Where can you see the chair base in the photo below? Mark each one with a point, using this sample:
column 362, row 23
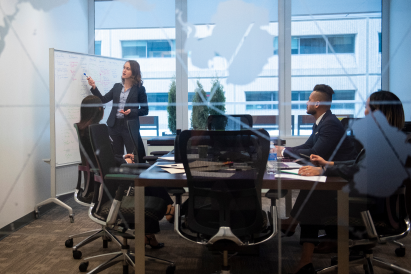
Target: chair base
column 368, row 261
column 124, row 256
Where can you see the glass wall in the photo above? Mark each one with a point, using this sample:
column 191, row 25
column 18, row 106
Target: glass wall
column 339, row 47
column 147, row 37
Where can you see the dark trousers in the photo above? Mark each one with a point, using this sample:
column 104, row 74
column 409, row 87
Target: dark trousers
column 121, row 137
column 320, row 212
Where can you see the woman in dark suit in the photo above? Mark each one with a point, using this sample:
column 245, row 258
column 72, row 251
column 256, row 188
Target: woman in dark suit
column 129, row 102
column 390, row 105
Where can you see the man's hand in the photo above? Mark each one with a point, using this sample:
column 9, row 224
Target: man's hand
column 310, row 171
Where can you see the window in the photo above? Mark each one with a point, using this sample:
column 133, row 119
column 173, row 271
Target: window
column 259, row 96
column 157, row 98
column 160, row 48
column 318, row 45
column 134, row 49
column 97, row 48
column 339, row 95
column 190, row 98
column 379, row 42
column 147, row 49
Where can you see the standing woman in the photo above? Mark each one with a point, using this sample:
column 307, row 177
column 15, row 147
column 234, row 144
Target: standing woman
column 129, row 102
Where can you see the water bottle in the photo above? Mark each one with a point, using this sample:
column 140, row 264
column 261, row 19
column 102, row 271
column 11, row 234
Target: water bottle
column 272, row 161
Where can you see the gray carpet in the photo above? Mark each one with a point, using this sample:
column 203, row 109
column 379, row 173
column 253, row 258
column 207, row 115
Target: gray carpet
column 39, row 248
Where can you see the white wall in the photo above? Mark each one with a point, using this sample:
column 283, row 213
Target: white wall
column 400, row 53
column 24, row 87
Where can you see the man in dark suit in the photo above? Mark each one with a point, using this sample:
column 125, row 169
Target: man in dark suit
column 327, row 130
column 326, row 136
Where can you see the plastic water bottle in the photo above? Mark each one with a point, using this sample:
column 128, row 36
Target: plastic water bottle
column 272, row 161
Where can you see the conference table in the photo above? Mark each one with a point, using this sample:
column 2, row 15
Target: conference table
column 156, row 177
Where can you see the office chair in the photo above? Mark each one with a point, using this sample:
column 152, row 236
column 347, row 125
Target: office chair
column 134, row 129
column 346, row 122
column 223, row 122
column 394, row 225
column 116, row 216
column 84, row 195
column 224, row 209
column 133, row 126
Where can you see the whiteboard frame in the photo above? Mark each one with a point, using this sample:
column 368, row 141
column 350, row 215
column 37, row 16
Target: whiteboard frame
column 53, row 149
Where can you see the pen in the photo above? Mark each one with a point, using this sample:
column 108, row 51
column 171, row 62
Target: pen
column 86, row 75
column 306, row 156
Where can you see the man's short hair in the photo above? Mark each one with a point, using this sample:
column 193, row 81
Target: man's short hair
column 326, row 92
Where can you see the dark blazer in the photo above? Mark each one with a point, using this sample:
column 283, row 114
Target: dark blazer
column 324, row 140
column 136, row 102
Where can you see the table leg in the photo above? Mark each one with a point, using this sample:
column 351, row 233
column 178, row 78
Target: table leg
column 343, row 222
column 139, row 230
column 288, row 202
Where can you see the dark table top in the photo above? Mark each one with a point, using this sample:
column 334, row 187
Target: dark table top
column 155, row 176
column 169, row 141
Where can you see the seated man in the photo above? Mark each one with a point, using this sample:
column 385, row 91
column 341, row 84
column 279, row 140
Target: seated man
column 327, row 130
column 326, row 136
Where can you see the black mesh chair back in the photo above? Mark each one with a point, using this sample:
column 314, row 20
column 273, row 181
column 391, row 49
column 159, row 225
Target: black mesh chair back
column 224, row 173
column 134, row 129
column 346, row 122
column 88, row 163
column 104, row 154
column 229, row 122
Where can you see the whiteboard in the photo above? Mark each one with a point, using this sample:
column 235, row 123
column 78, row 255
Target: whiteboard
column 68, row 87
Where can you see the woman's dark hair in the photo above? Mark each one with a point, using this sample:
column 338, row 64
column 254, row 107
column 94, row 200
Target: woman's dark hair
column 390, row 105
column 91, row 112
column 135, row 72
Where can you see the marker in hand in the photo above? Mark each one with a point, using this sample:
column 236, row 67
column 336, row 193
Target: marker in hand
column 90, row 81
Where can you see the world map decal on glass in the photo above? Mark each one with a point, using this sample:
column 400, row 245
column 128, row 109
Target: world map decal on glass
column 240, row 36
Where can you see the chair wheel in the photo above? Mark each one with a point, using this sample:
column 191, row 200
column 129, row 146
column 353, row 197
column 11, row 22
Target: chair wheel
column 400, row 252
column 83, row 267
column 171, row 269
column 36, row 215
column 105, row 243
column 71, row 219
column 77, row 254
column 69, row 243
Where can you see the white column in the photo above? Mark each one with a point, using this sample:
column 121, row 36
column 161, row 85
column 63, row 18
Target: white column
column 181, row 68
column 284, row 67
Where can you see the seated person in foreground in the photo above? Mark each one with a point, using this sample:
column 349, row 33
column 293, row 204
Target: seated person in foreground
column 91, row 112
column 312, row 214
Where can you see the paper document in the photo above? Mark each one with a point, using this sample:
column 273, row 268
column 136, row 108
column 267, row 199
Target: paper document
column 290, row 171
column 171, row 165
column 292, row 165
column 174, row 170
column 321, row 179
column 167, row 158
